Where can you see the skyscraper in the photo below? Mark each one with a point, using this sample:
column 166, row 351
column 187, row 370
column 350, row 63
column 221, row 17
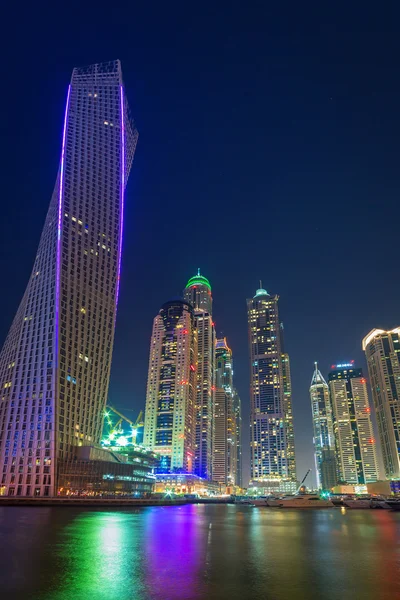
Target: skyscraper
column 225, row 432
column 220, row 442
column 55, row 363
column 287, row 408
column 324, row 441
column 238, row 438
column 169, row 426
column 382, row 349
column 198, row 294
column 270, row 425
column 355, row 443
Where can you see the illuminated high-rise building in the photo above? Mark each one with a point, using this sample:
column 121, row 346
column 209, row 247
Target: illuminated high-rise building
column 169, row 426
column 352, row 425
column 324, row 441
column 382, row 349
column 55, row 363
column 220, row 442
column 238, row 437
column 271, row 445
column 287, row 407
column 198, row 294
column 225, row 429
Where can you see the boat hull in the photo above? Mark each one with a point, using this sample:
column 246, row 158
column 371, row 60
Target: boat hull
column 357, row 504
column 307, row 505
column 262, row 502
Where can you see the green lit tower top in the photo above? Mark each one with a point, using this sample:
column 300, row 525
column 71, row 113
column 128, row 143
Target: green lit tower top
column 198, row 293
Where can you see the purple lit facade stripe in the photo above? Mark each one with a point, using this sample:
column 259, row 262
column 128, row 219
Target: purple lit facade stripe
column 122, row 193
column 59, row 227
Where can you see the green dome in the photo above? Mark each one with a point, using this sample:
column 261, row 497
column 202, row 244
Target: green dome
column 198, row 280
column 261, row 292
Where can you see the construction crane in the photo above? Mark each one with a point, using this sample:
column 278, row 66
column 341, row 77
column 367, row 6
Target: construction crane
column 134, row 424
column 303, row 480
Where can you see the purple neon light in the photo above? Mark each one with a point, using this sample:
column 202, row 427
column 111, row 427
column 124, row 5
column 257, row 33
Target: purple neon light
column 121, row 221
column 60, row 202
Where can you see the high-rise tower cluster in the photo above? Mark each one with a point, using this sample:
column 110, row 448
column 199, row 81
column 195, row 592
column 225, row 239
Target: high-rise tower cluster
column 342, row 406
column 56, row 360
column 344, row 444
column 193, row 412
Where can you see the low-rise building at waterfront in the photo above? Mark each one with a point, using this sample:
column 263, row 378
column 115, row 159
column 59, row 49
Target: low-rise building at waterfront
column 185, row 483
column 272, row 487
column 96, row 471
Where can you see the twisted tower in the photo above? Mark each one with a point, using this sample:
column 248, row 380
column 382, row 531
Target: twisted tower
column 55, row 363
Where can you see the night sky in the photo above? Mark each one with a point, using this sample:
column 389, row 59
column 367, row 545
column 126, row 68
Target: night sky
column 268, row 149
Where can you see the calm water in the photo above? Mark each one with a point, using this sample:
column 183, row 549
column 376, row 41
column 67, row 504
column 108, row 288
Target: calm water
column 190, row 552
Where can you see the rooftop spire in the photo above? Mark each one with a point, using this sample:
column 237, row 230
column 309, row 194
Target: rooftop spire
column 317, row 378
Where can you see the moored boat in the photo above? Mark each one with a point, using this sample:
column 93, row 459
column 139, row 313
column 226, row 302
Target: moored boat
column 305, row 501
column 273, row 501
column 379, row 502
column 261, row 501
column 243, row 500
column 393, row 503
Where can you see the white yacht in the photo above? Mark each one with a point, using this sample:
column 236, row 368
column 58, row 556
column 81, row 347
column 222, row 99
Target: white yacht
column 274, row 501
column 266, row 501
column 304, row 501
column 260, row 501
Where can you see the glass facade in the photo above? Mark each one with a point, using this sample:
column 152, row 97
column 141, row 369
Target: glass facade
column 55, row 363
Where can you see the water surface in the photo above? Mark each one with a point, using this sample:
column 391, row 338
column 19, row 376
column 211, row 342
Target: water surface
column 195, row 552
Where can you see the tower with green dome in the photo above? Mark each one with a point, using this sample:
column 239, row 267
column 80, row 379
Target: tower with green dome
column 198, row 293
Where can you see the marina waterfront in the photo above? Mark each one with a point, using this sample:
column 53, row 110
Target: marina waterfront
column 198, row 551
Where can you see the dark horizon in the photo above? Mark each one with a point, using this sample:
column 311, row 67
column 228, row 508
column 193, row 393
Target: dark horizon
column 268, row 149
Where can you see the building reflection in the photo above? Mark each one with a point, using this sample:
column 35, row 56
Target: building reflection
column 191, row 552
column 175, row 551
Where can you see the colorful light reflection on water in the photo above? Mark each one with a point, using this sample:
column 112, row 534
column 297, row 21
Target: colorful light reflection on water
column 195, row 552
